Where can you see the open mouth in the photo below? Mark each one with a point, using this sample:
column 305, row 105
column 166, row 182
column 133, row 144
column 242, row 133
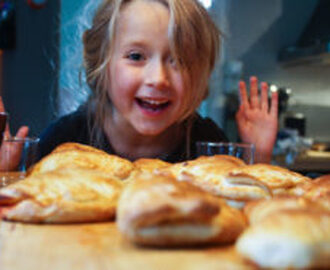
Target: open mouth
column 153, row 105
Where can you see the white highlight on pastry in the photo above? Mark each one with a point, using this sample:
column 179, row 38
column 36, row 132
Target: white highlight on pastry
column 276, row 251
column 186, row 231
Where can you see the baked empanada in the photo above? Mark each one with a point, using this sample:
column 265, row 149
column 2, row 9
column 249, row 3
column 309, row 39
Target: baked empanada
column 69, row 146
column 256, row 211
column 289, row 239
column 64, row 196
column 278, row 179
column 158, row 210
column 287, row 233
column 213, row 174
column 150, row 164
column 71, row 155
column 317, row 190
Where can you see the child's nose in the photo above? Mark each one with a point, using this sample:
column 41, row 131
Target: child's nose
column 157, row 75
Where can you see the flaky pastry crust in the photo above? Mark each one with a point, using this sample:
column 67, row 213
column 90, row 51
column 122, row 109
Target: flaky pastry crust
column 289, row 239
column 69, row 155
column 155, row 209
column 62, row 196
column 278, row 179
column 213, row 174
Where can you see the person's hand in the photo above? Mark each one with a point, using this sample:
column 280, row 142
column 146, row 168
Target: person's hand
column 9, row 154
column 257, row 120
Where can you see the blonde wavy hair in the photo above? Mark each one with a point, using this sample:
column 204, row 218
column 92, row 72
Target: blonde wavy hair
column 194, row 44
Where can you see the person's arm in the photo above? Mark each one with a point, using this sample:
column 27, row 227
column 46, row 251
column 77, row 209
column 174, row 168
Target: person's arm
column 12, row 158
column 257, row 120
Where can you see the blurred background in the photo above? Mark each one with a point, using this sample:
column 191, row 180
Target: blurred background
column 284, row 42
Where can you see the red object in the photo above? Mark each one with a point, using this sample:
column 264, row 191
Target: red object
column 37, row 4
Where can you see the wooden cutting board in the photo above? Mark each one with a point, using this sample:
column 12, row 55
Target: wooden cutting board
column 100, row 246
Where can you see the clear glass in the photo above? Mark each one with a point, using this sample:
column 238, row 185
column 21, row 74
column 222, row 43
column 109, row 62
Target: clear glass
column 17, row 155
column 244, row 151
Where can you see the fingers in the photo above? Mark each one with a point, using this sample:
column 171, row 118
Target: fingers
column 264, row 97
column 243, row 94
column 274, row 105
column 254, row 95
column 257, row 101
column 7, row 131
column 2, row 106
column 22, row 132
column 240, row 113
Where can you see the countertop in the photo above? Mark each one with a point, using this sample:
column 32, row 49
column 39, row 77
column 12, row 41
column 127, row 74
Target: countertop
column 100, row 246
column 308, row 162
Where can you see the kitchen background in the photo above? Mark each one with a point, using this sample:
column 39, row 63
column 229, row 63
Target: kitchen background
column 40, row 72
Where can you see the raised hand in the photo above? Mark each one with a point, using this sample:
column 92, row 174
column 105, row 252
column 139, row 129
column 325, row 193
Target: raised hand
column 9, row 153
column 257, row 120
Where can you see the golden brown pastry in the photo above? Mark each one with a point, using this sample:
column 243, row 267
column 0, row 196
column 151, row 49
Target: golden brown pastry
column 289, row 239
column 158, row 210
column 278, row 179
column 71, row 155
column 224, row 159
column 213, row 174
column 287, row 232
column 256, row 211
column 69, row 146
column 63, row 196
column 317, row 190
column 150, row 164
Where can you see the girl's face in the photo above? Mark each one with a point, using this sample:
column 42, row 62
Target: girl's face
column 146, row 87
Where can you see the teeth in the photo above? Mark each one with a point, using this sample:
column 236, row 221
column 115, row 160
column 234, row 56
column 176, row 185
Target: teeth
column 154, row 102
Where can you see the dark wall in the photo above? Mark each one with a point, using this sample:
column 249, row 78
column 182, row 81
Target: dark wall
column 285, row 30
column 30, row 71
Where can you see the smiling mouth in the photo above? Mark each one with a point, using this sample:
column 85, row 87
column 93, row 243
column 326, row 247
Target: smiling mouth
column 152, row 105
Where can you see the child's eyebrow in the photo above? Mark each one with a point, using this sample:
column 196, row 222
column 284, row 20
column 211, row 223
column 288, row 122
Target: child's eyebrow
column 134, row 44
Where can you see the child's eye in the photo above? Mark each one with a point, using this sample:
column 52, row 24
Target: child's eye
column 135, row 56
column 173, row 62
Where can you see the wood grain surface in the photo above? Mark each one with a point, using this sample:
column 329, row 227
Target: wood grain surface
column 100, row 246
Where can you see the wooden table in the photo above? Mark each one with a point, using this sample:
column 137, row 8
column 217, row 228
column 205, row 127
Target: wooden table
column 100, row 246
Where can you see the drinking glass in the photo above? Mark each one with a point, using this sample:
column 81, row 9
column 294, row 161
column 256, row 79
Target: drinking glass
column 244, row 151
column 17, row 155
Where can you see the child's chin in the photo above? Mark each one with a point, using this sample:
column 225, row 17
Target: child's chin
column 150, row 130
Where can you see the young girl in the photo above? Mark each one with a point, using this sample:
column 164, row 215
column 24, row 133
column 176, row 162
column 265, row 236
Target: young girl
column 147, row 63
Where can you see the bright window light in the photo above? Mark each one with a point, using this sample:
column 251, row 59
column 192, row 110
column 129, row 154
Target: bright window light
column 206, row 3
column 273, row 88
